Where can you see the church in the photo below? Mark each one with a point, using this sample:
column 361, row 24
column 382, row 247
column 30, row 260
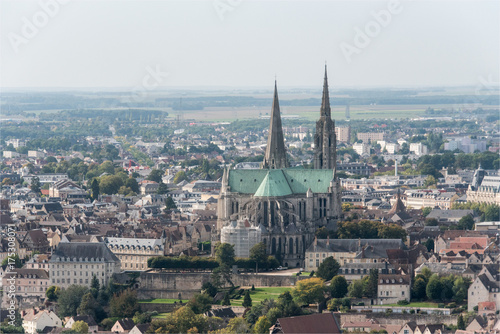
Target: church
column 288, row 204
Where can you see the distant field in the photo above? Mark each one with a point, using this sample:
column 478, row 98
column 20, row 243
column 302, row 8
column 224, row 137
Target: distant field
column 417, row 304
column 259, row 294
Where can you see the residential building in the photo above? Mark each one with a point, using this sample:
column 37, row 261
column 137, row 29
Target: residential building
column 123, row 326
column 148, row 187
column 393, row 288
column 31, row 284
column 485, row 288
column 134, row 252
column 78, row 262
column 418, row 149
column 484, row 188
column 343, row 134
column 350, row 251
column 371, row 137
column 361, row 148
column 88, row 319
column 34, row 320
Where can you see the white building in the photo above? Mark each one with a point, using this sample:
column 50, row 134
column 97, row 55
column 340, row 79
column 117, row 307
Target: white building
column 361, row 148
column 418, row 148
column 242, row 236
column 36, row 154
column 78, row 262
column 34, row 321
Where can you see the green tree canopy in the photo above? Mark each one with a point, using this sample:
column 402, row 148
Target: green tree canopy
column 69, row 300
column 308, row 291
column 338, row 287
column 328, row 268
column 124, row 304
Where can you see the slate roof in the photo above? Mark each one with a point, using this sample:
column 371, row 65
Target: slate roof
column 299, row 180
column 134, row 242
column 313, row 323
column 88, row 319
column 127, row 324
column 89, row 250
column 449, row 214
column 226, row 312
column 372, row 248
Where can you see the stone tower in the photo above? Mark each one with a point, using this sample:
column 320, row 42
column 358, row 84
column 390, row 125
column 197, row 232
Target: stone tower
column 325, row 142
column 275, row 157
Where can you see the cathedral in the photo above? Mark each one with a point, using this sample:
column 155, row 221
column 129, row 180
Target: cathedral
column 288, row 204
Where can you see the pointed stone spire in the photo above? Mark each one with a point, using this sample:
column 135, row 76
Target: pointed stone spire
column 325, row 101
column 275, row 157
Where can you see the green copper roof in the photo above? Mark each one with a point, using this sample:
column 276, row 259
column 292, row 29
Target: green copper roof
column 274, row 185
column 297, row 180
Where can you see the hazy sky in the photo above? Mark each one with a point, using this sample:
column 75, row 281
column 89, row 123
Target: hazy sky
column 246, row 43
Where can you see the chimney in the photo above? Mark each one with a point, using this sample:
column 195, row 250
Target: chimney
column 315, row 241
column 328, row 240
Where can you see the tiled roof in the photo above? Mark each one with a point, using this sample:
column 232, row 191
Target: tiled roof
column 314, row 323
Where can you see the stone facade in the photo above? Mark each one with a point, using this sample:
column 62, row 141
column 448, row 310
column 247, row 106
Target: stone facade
column 134, row 252
column 78, row 262
column 287, row 204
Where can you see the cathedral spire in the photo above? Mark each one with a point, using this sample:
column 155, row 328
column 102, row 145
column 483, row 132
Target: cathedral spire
column 325, row 101
column 275, row 157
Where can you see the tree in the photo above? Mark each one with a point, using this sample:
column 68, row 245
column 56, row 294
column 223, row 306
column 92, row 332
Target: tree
column 418, row 288
column 434, row 288
column 328, row 268
column 237, row 326
column 258, row 254
column 35, row 185
column 308, row 291
column 355, row 289
column 180, row 176
column 88, row 306
column 392, row 231
column 262, row 325
column 430, row 245
column 170, row 204
column 209, row 289
column 13, row 260
column 226, row 301
column 110, row 184
column 466, row 223
column 69, row 300
column 460, row 289
column 200, row 303
column 426, row 211
column 224, row 254
column 94, row 284
column 460, row 322
column 95, row 189
column 155, row 175
column 80, row 327
column 124, row 304
column 162, row 189
column 338, row 287
column 52, row 293
column 430, row 181
column 132, row 184
column 247, row 300
column 372, row 284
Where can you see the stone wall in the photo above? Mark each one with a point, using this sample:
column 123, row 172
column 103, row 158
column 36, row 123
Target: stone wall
column 400, row 319
column 160, row 308
column 168, row 285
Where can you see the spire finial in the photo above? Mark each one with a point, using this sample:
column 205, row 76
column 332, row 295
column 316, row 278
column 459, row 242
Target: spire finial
column 325, row 101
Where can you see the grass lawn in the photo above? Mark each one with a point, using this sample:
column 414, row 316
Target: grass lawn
column 416, row 304
column 305, row 273
column 160, row 301
column 160, row 316
column 259, row 294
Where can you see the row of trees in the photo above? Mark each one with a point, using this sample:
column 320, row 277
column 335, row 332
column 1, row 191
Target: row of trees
column 433, row 287
column 363, row 229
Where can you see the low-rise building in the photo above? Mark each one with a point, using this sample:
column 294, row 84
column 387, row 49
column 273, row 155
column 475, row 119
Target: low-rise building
column 34, row 321
column 393, row 288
